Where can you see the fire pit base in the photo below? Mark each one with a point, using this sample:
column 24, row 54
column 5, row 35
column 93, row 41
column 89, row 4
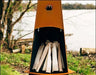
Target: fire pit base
column 33, row 73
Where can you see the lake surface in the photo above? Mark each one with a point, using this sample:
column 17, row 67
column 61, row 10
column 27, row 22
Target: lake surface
column 80, row 23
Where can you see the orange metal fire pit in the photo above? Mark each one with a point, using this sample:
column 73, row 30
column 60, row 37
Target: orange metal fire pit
column 49, row 26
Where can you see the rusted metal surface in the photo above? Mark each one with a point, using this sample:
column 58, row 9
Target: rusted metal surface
column 69, row 72
column 52, row 18
column 49, row 26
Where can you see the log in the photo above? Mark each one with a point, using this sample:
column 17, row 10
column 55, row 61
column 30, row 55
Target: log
column 23, row 48
column 59, row 59
column 16, row 50
column 24, row 40
column 48, row 69
column 54, row 58
column 40, row 50
column 86, row 51
column 47, row 42
column 62, row 61
column 45, row 64
column 28, row 47
column 42, row 57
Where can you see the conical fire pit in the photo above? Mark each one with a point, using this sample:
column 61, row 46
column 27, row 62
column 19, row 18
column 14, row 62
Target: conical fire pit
column 49, row 51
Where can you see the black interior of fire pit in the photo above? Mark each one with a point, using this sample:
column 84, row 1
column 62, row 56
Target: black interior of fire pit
column 52, row 34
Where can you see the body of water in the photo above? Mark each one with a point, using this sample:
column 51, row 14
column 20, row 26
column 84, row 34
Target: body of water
column 80, row 23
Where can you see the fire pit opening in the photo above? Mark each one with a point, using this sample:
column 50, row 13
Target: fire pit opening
column 53, row 35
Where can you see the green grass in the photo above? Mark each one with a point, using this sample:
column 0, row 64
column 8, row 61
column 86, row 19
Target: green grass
column 16, row 59
column 79, row 64
column 7, row 70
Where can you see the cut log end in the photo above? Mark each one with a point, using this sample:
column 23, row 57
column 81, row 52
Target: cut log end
column 16, row 50
column 87, row 51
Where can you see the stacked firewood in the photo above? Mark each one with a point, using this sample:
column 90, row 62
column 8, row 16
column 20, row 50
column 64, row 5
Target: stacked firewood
column 49, row 57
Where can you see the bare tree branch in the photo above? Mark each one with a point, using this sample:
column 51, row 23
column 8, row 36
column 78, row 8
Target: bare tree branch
column 6, row 12
column 24, row 35
column 28, row 7
column 1, row 9
column 28, row 4
column 32, row 5
column 15, row 4
column 1, row 12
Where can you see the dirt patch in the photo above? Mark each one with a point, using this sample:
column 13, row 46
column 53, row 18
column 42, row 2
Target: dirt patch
column 21, row 68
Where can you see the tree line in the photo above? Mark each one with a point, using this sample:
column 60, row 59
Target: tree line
column 64, row 6
column 78, row 6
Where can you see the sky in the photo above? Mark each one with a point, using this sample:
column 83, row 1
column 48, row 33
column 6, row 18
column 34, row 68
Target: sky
column 77, row 1
column 70, row 1
column 82, row 2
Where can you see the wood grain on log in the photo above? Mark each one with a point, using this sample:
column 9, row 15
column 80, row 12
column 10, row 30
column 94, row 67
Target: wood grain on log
column 54, row 58
column 59, row 59
column 42, row 57
column 40, row 50
column 48, row 69
column 45, row 63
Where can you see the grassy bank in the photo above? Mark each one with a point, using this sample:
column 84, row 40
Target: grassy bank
column 82, row 65
column 8, row 70
column 15, row 59
column 15, row 63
